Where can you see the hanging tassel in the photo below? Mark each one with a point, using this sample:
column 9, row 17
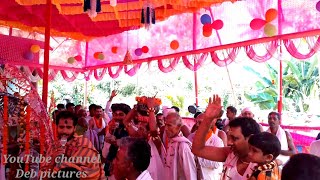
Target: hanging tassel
column 113, row 3
column 92, row 7
column 127, row 58
column 153, row 16
column 148, row 16
column 142, row 16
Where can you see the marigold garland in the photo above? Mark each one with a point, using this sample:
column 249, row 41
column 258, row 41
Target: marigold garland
column 143, row 100
column 5, row 128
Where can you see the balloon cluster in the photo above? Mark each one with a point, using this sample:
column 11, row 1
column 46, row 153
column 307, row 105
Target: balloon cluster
column 208, row 26
column 29, row 55
column 139, row 51
column 71, row 60
column 98, row 55
column 269, row 29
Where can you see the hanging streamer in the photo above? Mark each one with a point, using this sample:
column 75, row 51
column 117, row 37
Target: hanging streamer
column 148, row 16
column 92, row 7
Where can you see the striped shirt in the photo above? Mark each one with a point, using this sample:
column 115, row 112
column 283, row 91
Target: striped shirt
column 81, row 155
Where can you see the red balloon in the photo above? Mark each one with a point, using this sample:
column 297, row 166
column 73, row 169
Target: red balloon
column 145, row 49
column 96, row 55
column 206, row 33
column 207, row 28
column 174, row 44
column 78, row 58
column 217, row 24
column 114, row 49
column 257, row 24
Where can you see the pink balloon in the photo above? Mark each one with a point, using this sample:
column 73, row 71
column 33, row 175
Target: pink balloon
column 217, row 24
column 257, row 24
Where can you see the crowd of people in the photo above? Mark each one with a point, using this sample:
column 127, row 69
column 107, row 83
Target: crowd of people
column 144, row 143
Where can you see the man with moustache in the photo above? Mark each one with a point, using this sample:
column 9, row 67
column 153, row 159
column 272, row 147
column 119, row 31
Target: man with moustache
column 287, row 145
column 237, row 165
column 70, row 145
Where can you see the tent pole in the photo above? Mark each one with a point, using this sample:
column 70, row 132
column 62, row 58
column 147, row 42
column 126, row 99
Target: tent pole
column 194, row 47
column 280, row 16
column 86, row 82
column 46, row 56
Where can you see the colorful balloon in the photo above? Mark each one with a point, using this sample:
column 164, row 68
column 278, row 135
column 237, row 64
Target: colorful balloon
column 270, row 30
column 71, row 60
column 207, row 28
column 271, row 15
column 35, row 48
column 257, row 24
column 78, row 58
column 174, row 44
column 101, row 56
column 318, row 6
column 217, row 24
column 206, row 33
column 96, row 55
column 28, row 55
column 138, row 52
column 145, row 49
column 114, row 50
column 205, row 19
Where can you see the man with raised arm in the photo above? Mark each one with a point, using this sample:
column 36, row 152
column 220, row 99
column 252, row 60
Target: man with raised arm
column 237, row 165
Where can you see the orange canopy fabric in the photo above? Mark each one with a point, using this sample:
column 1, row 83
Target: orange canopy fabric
column 70, row 20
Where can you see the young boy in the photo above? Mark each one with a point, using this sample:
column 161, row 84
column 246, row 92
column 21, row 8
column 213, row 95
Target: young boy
column 264, row 148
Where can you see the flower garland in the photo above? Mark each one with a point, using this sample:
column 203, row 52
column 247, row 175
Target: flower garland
column 27, row 145
column 42, row 138
column 5, row 128
column 143, row 100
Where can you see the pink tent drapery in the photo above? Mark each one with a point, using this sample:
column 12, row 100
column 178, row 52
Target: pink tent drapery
column 219, row 56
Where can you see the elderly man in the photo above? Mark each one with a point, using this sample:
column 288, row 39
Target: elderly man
column 247, row 112
column 237, row 164
column 72, row 152
column 133, row 159
column 179, row 160
column 287, row 146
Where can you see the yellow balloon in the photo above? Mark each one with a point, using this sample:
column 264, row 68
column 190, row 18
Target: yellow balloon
column 71, row 60
column 270, row 30
column 35, row 48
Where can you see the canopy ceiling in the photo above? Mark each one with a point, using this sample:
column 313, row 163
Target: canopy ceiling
column 69, row 19
column 255, row 28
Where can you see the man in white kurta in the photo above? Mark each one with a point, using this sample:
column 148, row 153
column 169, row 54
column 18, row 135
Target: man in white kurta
column 211, row 169
column 179, row 160
column 287, row 146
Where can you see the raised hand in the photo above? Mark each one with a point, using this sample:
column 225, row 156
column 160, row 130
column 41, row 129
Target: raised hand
column 214, row 107
column 113, row 93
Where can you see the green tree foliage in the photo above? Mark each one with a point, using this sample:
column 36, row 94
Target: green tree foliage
column 300, row 84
